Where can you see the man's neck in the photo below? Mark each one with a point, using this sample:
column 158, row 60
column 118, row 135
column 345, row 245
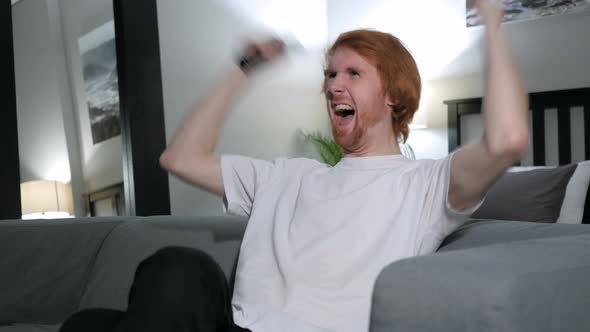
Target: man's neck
column 377, row 145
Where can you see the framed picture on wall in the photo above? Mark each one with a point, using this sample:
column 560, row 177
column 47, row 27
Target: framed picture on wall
column 99, row 68
column 94, row 71
column 517, row 10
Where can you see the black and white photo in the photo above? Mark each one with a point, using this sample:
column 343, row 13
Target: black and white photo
column 99, row 66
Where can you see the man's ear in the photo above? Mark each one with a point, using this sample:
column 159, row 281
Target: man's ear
column 391, row 104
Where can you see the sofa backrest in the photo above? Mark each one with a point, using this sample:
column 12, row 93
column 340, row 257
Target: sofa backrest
column 130, row 243
column 482, row 232
column 45, row 265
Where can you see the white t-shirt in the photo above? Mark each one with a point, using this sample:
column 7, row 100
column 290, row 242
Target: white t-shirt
column 318, row 236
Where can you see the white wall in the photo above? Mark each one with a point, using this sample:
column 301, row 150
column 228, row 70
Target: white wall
column 102, row 164
column 42, row 142
column 429, row 143
column 552, row 52
column 198, row 42
column 51, row 101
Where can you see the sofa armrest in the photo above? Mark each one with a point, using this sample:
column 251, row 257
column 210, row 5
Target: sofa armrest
column 45, row 265
column 484, row 232
column 533, row 285
column 132, row 242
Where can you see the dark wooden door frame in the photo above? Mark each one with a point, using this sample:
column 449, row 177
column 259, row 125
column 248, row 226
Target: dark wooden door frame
column 142, row 111
column 142, row 107
column 9, row 168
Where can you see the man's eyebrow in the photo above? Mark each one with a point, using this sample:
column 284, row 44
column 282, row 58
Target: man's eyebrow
column 348, row 69
column 353, row 68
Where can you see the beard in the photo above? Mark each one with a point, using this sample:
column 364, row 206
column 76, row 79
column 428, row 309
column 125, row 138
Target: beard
column 353, row 140
column 350, row 140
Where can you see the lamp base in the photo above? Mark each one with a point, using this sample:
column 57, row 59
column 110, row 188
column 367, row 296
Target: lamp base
column 46, row 215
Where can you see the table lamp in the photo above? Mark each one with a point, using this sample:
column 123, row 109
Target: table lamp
column 45, row 199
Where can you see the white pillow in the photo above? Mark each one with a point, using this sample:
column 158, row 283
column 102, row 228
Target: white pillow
column 572, row 208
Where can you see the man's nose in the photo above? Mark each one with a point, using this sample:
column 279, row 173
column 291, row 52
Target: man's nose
column 336, row 86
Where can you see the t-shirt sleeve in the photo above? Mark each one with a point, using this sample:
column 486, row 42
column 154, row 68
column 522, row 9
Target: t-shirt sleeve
column 445, row 218
column 242, row 178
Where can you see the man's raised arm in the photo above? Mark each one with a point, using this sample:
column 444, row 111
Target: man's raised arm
column 476, row 167
column 191, row 152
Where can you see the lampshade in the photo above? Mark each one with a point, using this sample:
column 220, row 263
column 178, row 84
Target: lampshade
column 46, row 199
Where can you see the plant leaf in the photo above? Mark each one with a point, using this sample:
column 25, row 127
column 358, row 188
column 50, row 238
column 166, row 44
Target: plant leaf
column 330, row 152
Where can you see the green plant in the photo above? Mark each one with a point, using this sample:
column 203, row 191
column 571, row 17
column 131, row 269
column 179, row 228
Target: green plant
column 330, row 152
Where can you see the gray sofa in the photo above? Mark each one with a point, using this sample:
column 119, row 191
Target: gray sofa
column 487, row 276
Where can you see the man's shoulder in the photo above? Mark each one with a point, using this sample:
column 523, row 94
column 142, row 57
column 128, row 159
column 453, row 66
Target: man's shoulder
column 301, row 163
column 422, row 168
column 429, row 163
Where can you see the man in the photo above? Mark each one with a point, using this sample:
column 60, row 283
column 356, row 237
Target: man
column 318, row 236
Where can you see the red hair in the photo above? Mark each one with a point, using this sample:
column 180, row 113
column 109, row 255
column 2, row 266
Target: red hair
column 396, row 66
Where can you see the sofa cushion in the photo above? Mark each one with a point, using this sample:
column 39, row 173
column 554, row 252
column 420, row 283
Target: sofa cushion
column 29, row 328
column 45, row 265
column 533, row 285
column 575, row 208
column 535, row 195
column 132, row 242
column 479, row 233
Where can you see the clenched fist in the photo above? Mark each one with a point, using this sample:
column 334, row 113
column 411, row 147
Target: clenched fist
column 491, row 12
column 258, row 53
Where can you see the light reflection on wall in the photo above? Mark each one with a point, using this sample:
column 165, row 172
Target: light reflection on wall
column 434, row 31
column 429, row 143
column 58, row 170
column 306, row 20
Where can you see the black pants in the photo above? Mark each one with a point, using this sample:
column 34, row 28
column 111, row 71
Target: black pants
column 175, row 290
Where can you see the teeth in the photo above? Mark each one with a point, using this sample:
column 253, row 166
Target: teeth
column 342, row 107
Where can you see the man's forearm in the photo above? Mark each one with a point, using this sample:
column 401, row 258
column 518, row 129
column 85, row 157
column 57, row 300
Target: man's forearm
column 506, row 99
column 475, row 167
column 200, row 130
column 190, row 155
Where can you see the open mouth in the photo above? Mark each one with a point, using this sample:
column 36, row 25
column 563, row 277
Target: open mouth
column 344, row 111
column 343, row 115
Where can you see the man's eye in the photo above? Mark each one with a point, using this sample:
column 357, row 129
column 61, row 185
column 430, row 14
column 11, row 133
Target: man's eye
column 354, row 73
column 331, row 75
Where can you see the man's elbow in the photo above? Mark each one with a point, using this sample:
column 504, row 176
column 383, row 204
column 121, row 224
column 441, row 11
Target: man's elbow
column 183, row 164
column 511, row 146
column 168, row 162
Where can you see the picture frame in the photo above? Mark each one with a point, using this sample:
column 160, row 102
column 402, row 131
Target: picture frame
column 98, row 56
column 519, row 10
